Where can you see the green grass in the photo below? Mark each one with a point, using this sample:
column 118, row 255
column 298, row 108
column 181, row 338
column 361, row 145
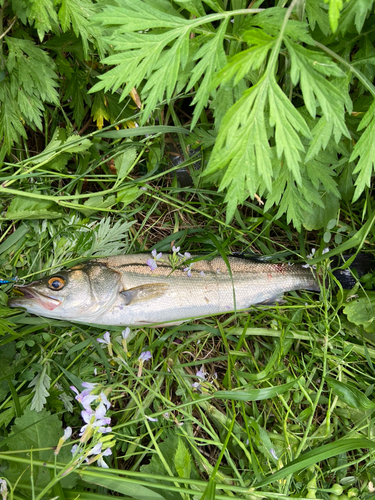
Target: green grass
column 266, row 423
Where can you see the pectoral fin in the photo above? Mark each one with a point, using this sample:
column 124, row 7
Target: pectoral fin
column 144, row 293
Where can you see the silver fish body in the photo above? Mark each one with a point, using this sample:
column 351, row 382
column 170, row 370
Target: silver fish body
column 123, row 290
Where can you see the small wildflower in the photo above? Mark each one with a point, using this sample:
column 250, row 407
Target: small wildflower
column 104, row 400
column 151, row 419
column 74, row 449
column 187, row 270
column 152, row 262
column 145, row 356
column 166, row 415
column 125, row 334
column 101, row 462
column 67, row 434
column 89, row 385
column 96, row 449
column 106, row 340
column 175, row 250
column 273, row 453
column 3, row 489
column 202, row 273
column 202, row 374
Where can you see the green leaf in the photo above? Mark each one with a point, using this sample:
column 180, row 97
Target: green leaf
column 317, row 455
column 365, row 150
column 243, row 62
column 11, row 240
column 310, row 68
column 319, row 216
column 77, row 14
column 125, row 162
column 31, row 432
column 121, row 485
column 128, row 195
column 335, row 7
column 355, row 241
column 22, row 208
column 361, row 311
column 255, row 394
column 43, row 13
column 317, row 15
column 212, row 59
column 182, row 460
column 350, row 395
column 41, row 384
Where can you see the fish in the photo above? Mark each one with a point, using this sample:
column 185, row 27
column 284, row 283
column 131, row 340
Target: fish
column 134, row 290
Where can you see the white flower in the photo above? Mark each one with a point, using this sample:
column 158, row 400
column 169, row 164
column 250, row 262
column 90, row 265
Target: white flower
column 125, row 333
column 105, row 340
column 3, row 489
column 151, row 419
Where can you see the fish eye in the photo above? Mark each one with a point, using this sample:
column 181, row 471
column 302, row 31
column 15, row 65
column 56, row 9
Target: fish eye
column 56, row 283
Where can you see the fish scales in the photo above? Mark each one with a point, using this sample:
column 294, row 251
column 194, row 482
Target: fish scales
column 123, row 290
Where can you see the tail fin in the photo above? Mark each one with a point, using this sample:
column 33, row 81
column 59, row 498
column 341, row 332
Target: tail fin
column 361, row 265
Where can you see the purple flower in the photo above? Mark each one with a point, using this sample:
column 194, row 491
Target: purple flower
column 202, row 273
column 125, row 333
column 175, row 250
column 202, row 374
column 152, row 262
column 89, row 385
column 151, row 419
column 101, row 462
column 104, row 400
column 74, row 449
column 145, row 356
column 96, row 449
column 188, row 270
column 105, row 340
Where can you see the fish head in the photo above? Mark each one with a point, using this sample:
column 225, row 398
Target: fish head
column 77, row 294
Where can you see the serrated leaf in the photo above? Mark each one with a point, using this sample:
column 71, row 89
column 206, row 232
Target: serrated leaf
column 41, row 384
column 77, row 14
column 287, row 123
column 43, row 13
column 316, row 15
column 365, row 150
column 182, row 460
column 350, row 395
column 38, row 433
column 95, row 204
column 335, row 7
column 240, row 64
column 128, row 195
column 354, row 13
column 22, row 208
column 272, row 20
column 310, row 68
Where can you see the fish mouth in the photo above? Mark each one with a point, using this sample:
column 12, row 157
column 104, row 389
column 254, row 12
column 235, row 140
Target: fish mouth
column 28, row 296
